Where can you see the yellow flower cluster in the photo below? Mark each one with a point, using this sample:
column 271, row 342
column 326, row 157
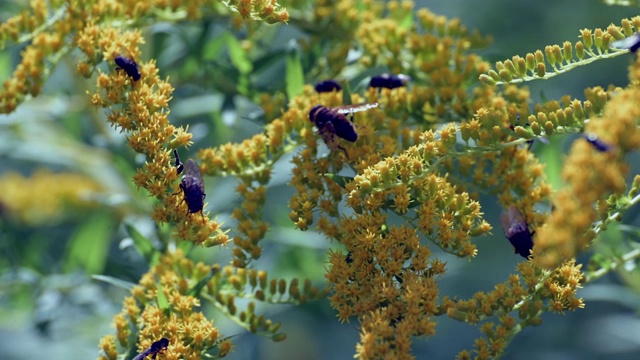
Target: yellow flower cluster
column 137, row 107
column 532, row 293
column 594, row 44
column 47, row 24
column 164, row 304
column 592, row 176
column 140, row 108
column 45, row 197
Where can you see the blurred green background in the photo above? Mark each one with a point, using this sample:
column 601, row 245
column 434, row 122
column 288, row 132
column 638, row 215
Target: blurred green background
column 51, row 308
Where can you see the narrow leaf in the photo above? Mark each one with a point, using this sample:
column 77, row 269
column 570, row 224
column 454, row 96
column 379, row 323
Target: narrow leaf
column 294, row 76
column 346, row 93
column 238, row 55
column 89, row 244
column 340, row 180
column 126, row 285
column 195, row 291
column 163, row 303
column 142, row 244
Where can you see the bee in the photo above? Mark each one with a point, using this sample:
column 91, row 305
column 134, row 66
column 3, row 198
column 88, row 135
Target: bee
column 332, row 122
column 517, row 231
column 192, row 185
column 327, row 86
column 389, row 81
column 154, row 349
column 129, row 66
column 597, row 144
column 632, row 43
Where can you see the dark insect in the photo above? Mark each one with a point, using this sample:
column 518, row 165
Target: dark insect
column 179, row 165
column 332, row 122
column 388, row 81
column 517, row 231
column 327, row 86
column 597, row 143
column 632, row 43
column 129, row 66
column 154, row 349
column 192, row 185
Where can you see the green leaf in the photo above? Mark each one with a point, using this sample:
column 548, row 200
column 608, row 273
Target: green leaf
column 340, row 180
column 213, row 49
column 346, row 93
column 195, row 291
column 142, row 244
column 294, row 76
column 266, row 61
column 553, row 162
column 126, row 285
column 239, row 57
column 407, row 21
column 163, row 303
column 89, row 244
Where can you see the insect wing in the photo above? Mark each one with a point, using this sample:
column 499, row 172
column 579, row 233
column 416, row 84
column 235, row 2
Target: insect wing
column 192, row 170
column 143, row 354
column 349, row 109
column 516, row 230
column 632, row 43
column 193, row 187
column 153, row 349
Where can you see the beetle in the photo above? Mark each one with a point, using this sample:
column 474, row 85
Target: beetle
column 191, row 184
column 129, row 66
column 517, row 231
column 327, row 86
column 388, row 81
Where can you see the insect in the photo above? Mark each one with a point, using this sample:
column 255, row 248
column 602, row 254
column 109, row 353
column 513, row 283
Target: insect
column 632, row 43
column 192, row 185
column 129, row 66
column 332, row 122
column 598, row 144
column 154, row 349
column 388, row 81
column 517, row 231
column 327, row 86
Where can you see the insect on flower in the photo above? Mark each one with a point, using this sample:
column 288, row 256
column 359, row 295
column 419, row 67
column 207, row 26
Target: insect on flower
column 597, row 144
column 192, row 185
column 632, row 43
column 389, row 81
column 332, row 122
column 129, row 66
column 327, row 86
column 154, row 349
column 517, row 231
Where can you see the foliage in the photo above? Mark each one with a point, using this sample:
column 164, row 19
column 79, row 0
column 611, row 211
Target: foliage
column 401, row 203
